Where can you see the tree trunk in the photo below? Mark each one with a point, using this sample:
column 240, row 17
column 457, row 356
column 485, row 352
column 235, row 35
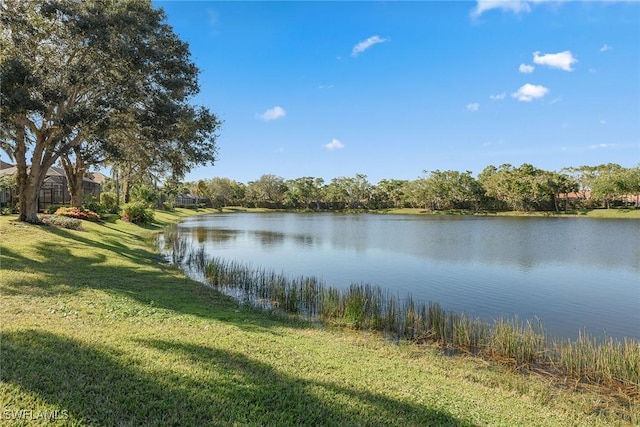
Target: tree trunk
column 29, row 185
column 76, row 196
column 127, row 191
column 29, row 204
column 75, row 176
column 22, row 181
column 27, row 189
column 117, row 180
column 25, row 206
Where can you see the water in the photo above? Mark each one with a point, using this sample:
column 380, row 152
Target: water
column 572, row 273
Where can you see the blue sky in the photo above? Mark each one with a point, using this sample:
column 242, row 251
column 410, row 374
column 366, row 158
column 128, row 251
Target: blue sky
column 389, row 89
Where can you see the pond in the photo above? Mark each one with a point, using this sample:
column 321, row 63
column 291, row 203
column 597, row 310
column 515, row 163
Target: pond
column 572, row 273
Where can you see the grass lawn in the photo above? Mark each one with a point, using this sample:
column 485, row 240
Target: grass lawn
column 96, row 330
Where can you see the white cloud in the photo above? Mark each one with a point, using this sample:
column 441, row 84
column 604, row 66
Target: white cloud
column 515, row 6
column 605, row 48
column 599, row 146
column 498, row 96
column 325, row 87
column 333, row 145
column 603, row 122
column 364, row 45
column 473, row 107
column 526, row 69
column 562, row 60
column 274, row 113
column 529, row 92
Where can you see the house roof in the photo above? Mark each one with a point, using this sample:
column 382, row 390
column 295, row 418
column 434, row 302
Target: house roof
column 5, row 165
column 187, row 196
column 8, row 171
column 53, row 171
column 98, row 177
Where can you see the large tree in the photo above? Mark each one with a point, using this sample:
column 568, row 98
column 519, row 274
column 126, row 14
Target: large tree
column 631, row 179
column 305, row 192
column 391, row 193
column 351, row 192
column 605, row 183
column 165, row 146
column 449, row 189
column 608, row 183
column 266, row 192
column 75, row 73
column 524, row 188
column 222, row 192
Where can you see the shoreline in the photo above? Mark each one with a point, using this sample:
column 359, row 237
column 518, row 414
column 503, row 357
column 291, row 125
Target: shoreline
column 617, row 213
column 99, row 302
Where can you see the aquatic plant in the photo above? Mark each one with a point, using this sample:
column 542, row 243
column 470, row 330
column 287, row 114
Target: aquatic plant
column 521, row 343
column 607, row 361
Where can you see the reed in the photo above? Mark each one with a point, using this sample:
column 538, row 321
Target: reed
column 522, row 342
column 608, row 361
column 391, row 316
column 363, row 306
column 172, row 244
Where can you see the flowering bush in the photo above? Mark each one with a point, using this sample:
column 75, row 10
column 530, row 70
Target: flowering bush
column 61, row 221
column 136, row 213
column 53, row 208
column 78, row 213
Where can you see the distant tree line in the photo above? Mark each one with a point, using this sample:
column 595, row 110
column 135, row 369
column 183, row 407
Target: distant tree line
column 523, row 188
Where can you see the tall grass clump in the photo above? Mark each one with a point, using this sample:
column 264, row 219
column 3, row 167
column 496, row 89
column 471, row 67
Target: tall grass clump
column 608, row 361
column 522, row 342
column 171, row 244
column 469, row 333
column 363, row 306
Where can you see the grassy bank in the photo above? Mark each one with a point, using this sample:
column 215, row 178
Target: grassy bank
column 96, row 330
column 608, row 362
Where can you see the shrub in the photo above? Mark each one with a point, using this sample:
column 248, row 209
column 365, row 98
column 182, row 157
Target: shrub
column 144, row 194
column 90, row 203
column 53, row 208
column 137, row 213
column 168, row 206
column 9, row 209
column 62, row 221
column 78, row 213
column 109, row 202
